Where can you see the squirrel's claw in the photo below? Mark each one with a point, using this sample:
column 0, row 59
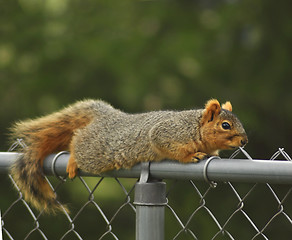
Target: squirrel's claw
column 194, row 158
column 198, row 156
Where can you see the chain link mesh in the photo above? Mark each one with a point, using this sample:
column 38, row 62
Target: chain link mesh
column 195, row 210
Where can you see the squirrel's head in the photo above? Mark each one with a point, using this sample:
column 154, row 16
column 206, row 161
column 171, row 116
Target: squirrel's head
column 220, row 127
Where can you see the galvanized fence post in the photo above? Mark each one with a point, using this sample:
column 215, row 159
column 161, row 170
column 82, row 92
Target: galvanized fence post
column 150, row 201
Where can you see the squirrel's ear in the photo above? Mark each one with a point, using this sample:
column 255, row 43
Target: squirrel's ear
column 212, row 110
column 227, row 106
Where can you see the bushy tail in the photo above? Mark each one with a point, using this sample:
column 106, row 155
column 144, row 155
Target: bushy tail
column 42, row 137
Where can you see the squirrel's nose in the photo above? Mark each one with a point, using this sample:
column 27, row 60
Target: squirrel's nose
column 244, row 141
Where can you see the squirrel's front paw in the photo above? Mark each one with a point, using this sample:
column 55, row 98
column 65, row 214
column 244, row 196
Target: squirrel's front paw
column 198, row 156
column 195, row 157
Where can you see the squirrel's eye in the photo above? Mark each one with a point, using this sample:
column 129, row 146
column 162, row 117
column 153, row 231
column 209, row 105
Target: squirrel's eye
column 226, row 125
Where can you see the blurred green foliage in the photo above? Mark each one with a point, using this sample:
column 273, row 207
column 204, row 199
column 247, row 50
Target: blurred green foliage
column 148, row 55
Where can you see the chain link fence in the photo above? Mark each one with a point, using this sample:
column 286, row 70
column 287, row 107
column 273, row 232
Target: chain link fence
column 236, row 198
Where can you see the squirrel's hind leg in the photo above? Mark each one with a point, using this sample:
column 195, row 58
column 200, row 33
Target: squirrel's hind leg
column 72, row 167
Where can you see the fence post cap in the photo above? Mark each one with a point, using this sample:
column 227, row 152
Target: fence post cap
column 150, row 194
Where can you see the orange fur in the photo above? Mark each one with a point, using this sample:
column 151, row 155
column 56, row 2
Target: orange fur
column 72, row 167
column 227, row 106
column 212, row 110
column 215, row 137
column 44, row 136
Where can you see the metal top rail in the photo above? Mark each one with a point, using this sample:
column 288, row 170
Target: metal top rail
column 212, row 169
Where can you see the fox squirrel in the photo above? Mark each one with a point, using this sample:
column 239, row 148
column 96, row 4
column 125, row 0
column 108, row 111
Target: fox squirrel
column 101, row 138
